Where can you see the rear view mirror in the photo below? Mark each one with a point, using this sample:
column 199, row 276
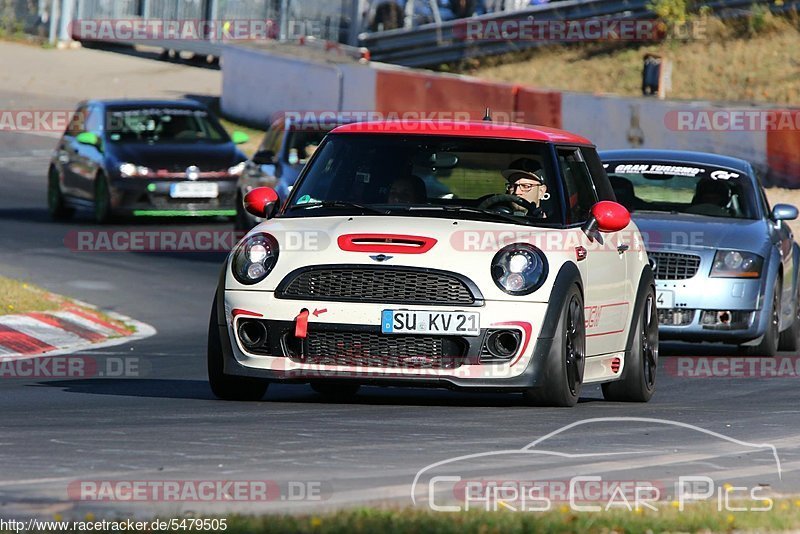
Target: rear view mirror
column 610, row 216
column 88, row 138
column 261, row 202
column 437, row 160
column 239, row 138
column 784, row 212
column 606, row 216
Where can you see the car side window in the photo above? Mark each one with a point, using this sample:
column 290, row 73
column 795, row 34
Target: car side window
column 268, row 141
column 94, row 121
column 602, row 185
column 578, row 186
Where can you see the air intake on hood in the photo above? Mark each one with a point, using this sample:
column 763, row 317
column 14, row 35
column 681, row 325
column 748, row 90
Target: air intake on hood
column 386, row 243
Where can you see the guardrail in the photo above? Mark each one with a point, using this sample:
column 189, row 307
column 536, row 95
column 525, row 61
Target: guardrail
column 435, row 44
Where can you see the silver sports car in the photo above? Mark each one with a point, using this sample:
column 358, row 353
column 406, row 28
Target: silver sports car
column 725, row 262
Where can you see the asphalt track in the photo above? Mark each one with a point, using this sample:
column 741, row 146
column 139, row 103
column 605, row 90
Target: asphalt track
column 165, row 424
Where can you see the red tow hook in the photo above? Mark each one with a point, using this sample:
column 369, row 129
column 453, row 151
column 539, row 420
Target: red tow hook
column 301, row 324
column 301, row 331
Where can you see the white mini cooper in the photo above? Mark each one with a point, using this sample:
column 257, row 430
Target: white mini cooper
column 526, row 277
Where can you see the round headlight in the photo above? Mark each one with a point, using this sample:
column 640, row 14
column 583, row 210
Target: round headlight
column 254, row 258
column 519, row 269
column 732, row 260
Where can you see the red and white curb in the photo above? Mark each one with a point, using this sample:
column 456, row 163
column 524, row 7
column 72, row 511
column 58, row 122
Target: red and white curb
column 65, row 331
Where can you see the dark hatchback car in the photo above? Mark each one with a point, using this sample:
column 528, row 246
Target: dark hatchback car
column 286, row 148
column 145, row 158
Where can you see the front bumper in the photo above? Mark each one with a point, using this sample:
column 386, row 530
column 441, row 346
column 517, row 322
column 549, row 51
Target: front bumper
column 523, row 370
column 146, row 197
column 692, row 297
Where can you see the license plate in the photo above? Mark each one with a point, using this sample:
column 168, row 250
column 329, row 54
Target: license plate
column 665, row 299
column 194, row 190
column 430, row 322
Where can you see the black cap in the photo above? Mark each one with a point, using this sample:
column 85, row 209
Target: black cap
column 524, row 168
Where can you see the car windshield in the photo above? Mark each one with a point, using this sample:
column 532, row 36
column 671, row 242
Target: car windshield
column 160, row 124
column 682, row 188
column 424, row 175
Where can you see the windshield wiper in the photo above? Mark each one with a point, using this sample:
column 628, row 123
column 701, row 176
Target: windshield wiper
column 516, row 219
column 339, row 204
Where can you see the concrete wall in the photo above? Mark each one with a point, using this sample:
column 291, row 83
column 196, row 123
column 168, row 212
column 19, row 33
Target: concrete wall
column 257, row 85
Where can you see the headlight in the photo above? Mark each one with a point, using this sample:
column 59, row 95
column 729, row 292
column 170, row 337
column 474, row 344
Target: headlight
column 237, row 169
column 129, row 170
column 519, row 269
column 736, row 264
column 254, row 258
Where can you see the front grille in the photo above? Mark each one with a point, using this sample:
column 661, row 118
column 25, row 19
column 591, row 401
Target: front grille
column 673, row 266
column 366, row 349
column 376, row 284
column 675, row 316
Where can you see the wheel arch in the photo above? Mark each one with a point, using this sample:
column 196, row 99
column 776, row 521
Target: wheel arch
column 568, row 274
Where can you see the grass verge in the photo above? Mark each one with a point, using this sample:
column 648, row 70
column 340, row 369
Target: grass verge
column 785, row 516
column 706, row 517
column 746, row 60
column 21, row 297
column 18, row 297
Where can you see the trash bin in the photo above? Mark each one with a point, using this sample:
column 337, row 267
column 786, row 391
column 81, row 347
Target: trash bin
column 651, row 74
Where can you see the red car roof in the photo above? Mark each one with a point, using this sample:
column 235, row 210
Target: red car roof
column 465, row 129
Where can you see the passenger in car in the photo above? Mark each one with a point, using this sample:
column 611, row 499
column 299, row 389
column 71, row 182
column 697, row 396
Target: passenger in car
column 408, row 189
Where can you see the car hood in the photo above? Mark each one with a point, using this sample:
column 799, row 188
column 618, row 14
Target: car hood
column 462, row 246
column 682, row 231
column 179, row 156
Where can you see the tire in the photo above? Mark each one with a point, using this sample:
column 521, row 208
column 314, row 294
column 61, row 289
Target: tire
column 102, row 200
column 563, row 371
column 56, row 205
column 769, row 342
column 334, row 391
column 789, row 338
column 227, row 387
column 638, row 382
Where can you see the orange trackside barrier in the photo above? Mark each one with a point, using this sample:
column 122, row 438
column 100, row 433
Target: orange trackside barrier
column 441, row 97
column 783, row 150
column 536, row 106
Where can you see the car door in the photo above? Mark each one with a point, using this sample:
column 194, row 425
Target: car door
column 607, row 298
column 87, row 159
column 782, row 239
column 67, row 151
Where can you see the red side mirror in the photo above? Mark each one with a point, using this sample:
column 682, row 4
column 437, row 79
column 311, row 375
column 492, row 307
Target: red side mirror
column 261, row 202
column 610, row 216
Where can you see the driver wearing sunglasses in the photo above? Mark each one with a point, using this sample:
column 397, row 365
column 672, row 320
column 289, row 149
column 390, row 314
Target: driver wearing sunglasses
column 525, row 178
